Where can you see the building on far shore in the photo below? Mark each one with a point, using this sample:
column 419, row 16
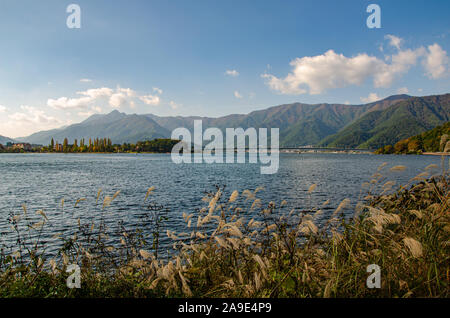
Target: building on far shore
column 22, row 146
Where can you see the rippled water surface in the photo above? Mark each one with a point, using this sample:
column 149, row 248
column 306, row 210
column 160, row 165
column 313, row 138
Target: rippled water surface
column 41, row 181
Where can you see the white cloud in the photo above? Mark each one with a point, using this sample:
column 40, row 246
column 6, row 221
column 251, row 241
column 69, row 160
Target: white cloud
column 28, row 120
column 394, row 41
column 403, row 90
column 97, row 92
column 32, row 115
column 69, row 103
column 85, row 80
column 373, row 97
column 317, row 74
column 174, row 105
column 232, row 73
column 237, row 94
column 117, row 100
column 90, row 96
column 385, row 74
column 157, row 90
column 121, row 97
column 2, row 109
column 127, row 91
column 436, row 62
column 152, row 100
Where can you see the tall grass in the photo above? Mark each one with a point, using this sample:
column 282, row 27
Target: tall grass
column 234, row 247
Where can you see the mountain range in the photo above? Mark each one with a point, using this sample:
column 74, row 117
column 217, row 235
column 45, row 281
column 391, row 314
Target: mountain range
column 365, row 126
column 4, row 140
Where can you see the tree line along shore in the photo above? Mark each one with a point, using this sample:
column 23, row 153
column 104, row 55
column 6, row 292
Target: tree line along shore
column 93, row 145
column 435, row 141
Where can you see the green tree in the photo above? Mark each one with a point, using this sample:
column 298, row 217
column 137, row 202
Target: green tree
column 401, row 146
column 75, row 146
column 414, row 146
column 66, row 145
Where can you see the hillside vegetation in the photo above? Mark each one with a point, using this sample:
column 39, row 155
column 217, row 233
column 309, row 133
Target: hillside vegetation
column 386, row 127
column 434, row 140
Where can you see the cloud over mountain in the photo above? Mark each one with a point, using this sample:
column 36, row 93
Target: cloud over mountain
column 317, row 74
column 116, row 98
column 373, row 97
column 30, row 119
column 436, row 63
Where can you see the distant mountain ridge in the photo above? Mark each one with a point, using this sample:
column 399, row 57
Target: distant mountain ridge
column 115, row 125
column 4, row 140
column 300, row 124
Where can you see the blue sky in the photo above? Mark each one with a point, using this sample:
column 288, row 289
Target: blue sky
column 171, row 57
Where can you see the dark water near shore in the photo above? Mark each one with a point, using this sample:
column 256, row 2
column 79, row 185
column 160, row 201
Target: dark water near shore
column 41, row 181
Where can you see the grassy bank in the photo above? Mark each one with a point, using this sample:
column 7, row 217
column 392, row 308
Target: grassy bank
column 224, row 252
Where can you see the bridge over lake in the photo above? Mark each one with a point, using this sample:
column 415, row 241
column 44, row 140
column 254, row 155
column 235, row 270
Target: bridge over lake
column 312, row 149
column 305, row 148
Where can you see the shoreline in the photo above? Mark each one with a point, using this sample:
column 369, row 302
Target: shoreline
column 349, row 152
column 436, row 153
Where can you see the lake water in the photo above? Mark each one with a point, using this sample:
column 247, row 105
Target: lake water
column 41, row 181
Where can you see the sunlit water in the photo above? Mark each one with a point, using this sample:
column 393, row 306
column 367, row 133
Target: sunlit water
column 41, row 181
